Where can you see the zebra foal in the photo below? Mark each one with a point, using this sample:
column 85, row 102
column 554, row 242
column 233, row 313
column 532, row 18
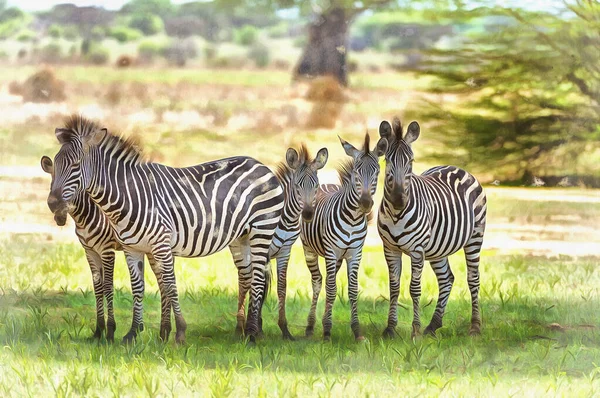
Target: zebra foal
column 164, row 211
column 99, row 243
column 339, row 228
column 428, row 217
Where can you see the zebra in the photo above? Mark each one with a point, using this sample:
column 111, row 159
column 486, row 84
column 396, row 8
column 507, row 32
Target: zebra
column 164, row 211
column 428, row 217
column 339, row 228
column 99, row 242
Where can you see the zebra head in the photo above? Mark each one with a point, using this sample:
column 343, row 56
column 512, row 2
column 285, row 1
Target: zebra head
column 398, row 161
column 364, row 170
column 304, row 181
column 68, row 176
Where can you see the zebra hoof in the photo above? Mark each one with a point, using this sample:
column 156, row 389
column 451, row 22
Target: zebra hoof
column 309, row 332
column 97, row 334
column 327, row 337
column 239, row 331
column 361, row 339
column 288, row 336
column 251, row 343
column 429, row 331
column 475, row 330
column 129, row 338
column 389, row 333
column 180, row 337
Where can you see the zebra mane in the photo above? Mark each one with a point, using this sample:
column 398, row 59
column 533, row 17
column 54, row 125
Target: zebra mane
column 397, row 128
column 79, row 126
column 284, row 171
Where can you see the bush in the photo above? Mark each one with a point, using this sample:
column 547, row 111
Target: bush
column 148, row 51
column 55, row 31
column 71, row 32
column 246, row 35
column 259, row 53
column 124, row 61
column 51, row 53
column 179, row 52
column 26, row 35
column 22, row 53
column 278, row 31
column 124, row 34
column 42, row 86
column 148, row 24
column 98, row 33
column 98, row 55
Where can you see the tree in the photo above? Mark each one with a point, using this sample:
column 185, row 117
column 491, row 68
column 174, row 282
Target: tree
column 529, row 92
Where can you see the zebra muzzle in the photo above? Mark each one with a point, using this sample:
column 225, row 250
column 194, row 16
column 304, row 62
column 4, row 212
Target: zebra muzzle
column 307, row 214
column 365, row 203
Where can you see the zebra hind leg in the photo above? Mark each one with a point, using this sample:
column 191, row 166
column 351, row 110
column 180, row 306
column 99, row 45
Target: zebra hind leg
column 282, row 265
column 259, row 241
column 108, row 261
column 472, row 255
column 353, row 266
column 331, row 266
column 416, row 264
column 445, row 280
column 394, row 263
column 312, row 261
column 244, row 280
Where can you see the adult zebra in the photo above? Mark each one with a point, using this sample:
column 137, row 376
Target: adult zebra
column 339, row 228
column 163, row 211
column 99, row 242
column 428, row 217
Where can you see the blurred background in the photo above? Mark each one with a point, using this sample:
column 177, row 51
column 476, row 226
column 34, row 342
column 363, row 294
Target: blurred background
column 508, row 90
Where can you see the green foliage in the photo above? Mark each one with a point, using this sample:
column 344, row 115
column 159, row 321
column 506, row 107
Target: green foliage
column 156, row 7
column 51, row 53
column 97, row 54
column 70, row 32
column 149, row 50
column 98, row 33
column 55, row 31
column 148, row 24
column 260, row 54
column 178, row 52
column 124, row 34
column 278, row 31
column 26, row 35
column 246, row 35
column 528, row 89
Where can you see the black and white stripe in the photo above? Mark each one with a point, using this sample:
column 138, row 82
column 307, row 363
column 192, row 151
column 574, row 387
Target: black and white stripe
column 164, row 211
column 428, row 217
column 339, row 228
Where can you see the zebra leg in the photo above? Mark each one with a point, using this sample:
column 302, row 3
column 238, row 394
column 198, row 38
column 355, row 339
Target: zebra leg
column 244, row 280
column 95, row 261
column 282, row 264
column 108, row 266
column 332, row 264
column 472, row 253
column 259, row 242
column 416, row 265
column 394, row 263
column 312, row 261
column 353, row 266
column 164, row 262
column 445, row 280
column 135, row 264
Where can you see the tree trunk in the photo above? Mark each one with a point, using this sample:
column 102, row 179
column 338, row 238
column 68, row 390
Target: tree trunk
column 325, row 52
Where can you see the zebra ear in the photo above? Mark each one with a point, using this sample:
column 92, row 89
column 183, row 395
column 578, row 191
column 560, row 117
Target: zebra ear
column 381, row 147
column 320, row 159
column 349, row 148
column 47, row 165
column 385, row 130
column 412, row 133
column 62, row 134
column 94, row 138
column 292, row 158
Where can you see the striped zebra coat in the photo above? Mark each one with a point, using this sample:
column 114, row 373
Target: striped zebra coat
column 428, row 217
column 163, row 211
column 99, row 242
column 339, row 228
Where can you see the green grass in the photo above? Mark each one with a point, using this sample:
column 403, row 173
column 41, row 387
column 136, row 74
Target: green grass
column 47, row 316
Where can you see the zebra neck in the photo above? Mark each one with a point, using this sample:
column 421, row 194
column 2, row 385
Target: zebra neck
column 83, row 205
column 290, row 216
column 349, row 202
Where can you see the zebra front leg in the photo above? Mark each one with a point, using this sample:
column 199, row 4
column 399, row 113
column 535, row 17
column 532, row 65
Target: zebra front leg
column 472, row 255
column 282, row 265
column 394, row 263
column 312, row 261
column 164, row 262
column 244, row 280
column 135, row 264
column 416, row 265
column 445, row 280
column 331, row 267
column 95, row 261
column 108, row 267
column 353, row 266
column 259, row 242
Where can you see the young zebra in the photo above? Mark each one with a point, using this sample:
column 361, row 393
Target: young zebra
column 428, row 217
column 164, row 211
column 339, row 228
column 96, row 236
column 298, row 177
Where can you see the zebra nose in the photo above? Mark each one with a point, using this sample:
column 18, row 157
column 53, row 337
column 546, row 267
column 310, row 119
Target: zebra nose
column 53, row 202
column 366, row 202
column 307, row 214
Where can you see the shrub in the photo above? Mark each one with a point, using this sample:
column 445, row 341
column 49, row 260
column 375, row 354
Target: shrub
column 71, row 33
column 179, row 52
column 43, row 86
column 26, row 35
column 148, row 51
column 98, row 55
column 278, row 31
column 22, row 53
column 246, row 35
column 259, row 53
column 124, row 34
column 98, row 33
column 148, row 24
column 51, row 53
column 124, row 61
column 55, row 31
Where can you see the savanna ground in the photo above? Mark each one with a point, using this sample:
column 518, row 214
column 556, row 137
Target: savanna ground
column 539, row 292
